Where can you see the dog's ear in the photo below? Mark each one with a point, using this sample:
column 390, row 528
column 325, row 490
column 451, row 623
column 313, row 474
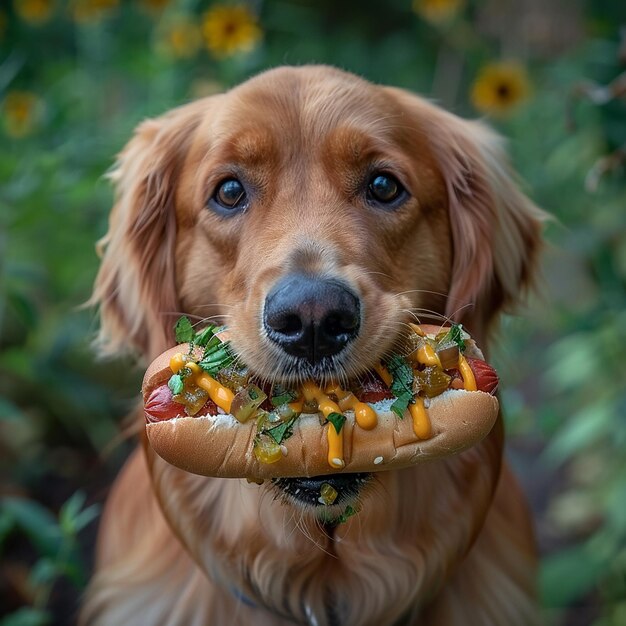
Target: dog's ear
column 496, row 229
column 135, row 287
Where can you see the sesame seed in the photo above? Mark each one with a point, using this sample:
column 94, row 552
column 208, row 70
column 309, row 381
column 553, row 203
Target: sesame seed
column 378, row 460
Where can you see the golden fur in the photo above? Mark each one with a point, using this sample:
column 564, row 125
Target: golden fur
column 445, row 543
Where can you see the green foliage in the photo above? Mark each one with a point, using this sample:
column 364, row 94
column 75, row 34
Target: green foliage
column 56, row 543
column 85, row 80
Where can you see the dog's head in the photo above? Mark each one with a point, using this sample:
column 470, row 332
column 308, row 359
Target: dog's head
column 314, row 213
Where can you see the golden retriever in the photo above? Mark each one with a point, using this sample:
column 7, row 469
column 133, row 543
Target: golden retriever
column 314, row 172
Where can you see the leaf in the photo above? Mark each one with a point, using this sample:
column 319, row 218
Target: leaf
column 73, row 518
column 184, row 330
column 44, row 572
column 70, row 510
column 401, row 383
column 401, row 375
column 205, row 335
column 217, row 360
column 455, row 335
column 25, row 308
column 35, row 521
column 574, row 361
column 213, row 345
column 86, row 516
column 74, row 570
column 569, row 575
column 401, row 404
column 347, row 514
column 585, row 428
column 27, row 616
column 282, row 431
column 282, row 395
column 337, row 420
column 176, row 385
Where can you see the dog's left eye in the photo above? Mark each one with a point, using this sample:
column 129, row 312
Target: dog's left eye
column 229, row 196
column 384, row 188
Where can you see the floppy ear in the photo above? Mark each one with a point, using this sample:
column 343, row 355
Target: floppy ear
column 135, row 287
column 496, row 229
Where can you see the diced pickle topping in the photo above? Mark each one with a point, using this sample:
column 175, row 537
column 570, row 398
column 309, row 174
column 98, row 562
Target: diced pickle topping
column 448, row 355
column 246, row 402
column 431, row 381
column 266, row 450
column 235, row 378
column 192, row 397
column 328, row 494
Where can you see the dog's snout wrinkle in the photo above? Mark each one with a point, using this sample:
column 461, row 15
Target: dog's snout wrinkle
column 311, row 317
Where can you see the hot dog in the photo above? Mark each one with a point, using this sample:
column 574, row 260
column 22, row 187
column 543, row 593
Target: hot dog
column 205, row 414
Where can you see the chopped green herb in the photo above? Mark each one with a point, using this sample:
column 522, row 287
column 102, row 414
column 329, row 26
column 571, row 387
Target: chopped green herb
column 212, row 345
column 347, row 514
column 401, row 383
column 282, row 431
column 175, row 383
column 282, row 395
column 337, row 420
column 217, row 359
column 456, row 335
column 286, row 398
column 184, row 330
column 401, row 404
column 204, row 336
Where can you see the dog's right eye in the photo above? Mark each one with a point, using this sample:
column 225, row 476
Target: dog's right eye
column 230, row 196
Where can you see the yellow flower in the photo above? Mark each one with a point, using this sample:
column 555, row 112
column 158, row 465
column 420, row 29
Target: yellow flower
column 228, row 30
column 89, row 11
column 500, row 88
column 21, row 112
column 438, row 11
column 180, row 38
column 34, row 11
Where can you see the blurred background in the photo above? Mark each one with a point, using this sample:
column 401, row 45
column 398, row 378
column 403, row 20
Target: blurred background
column 76, row 77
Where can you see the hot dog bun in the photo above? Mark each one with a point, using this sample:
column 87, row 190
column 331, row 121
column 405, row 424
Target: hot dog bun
column 221, row 446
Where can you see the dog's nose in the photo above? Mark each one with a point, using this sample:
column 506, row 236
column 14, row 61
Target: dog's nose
column 311, row 317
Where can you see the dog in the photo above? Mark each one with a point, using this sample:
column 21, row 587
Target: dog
column 314, row 174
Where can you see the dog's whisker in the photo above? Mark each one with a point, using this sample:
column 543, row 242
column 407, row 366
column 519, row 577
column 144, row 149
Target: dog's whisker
column 215, row 304
column 428, row 313
column 215, row 316
column 372, row 273
column 469, row 305
column 180, row 314
column 421, row 291
column 413, row 315
column 302, row 526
